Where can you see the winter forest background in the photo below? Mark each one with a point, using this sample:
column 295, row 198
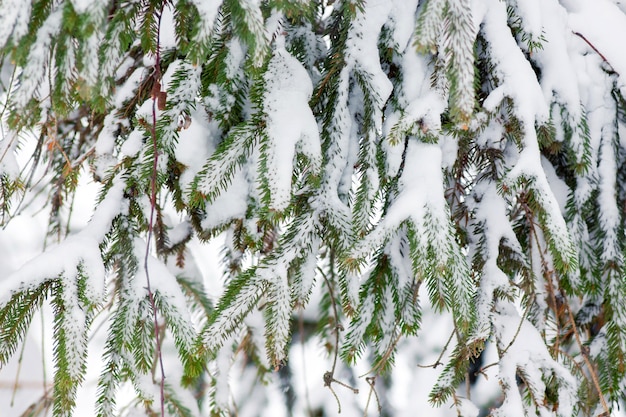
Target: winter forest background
column 306, row 207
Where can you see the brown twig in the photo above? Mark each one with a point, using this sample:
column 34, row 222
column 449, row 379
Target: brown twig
column 153, row 197
column 329, row 376
column 371, row 380
column 583, row 350
column 592, row 46
column 307, row 398
column 438, row 361
column 502, row 352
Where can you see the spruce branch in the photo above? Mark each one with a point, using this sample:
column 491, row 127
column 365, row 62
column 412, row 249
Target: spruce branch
column 548, row 274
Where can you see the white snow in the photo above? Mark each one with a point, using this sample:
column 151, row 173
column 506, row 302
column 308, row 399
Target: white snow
column 14, row 20
column 513, row 70
column 230, row 204
column 526, row 351
column 235, row 58
column 601, row 22
column 402, row 15
column 32, row 75
column 566, row 82
column 290, row 123
column 81, row 249
column 208, row 12
column 81, row 6
column 558, row 73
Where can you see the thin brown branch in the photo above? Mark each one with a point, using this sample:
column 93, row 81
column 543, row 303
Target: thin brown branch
column 592, row 46
column 329, row 376
column 548, row 272
column 583, row 352
column 336, row 329
column 153, row 202
column 371, row 380
column 445, row 348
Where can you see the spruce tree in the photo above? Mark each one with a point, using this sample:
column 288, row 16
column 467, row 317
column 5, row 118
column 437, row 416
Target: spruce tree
column 388, row 181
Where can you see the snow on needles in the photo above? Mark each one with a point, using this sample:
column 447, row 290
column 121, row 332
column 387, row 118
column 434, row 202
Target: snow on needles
column 420, row 195
column 14, row 21
column 291, row 125
column 601, row 23
column 524, row 353
column 512, row 68
column 78, row 253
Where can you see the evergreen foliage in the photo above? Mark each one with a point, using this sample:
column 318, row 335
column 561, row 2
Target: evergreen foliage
column 369, row 168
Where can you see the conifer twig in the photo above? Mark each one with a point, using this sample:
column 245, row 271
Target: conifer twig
column 153, row 194
column 585, row 355
column 592, row 46
column 17, row 373
column 548, row 271
column 329, row 376
column 371, row 380
column 443, row 351
column 307, row 398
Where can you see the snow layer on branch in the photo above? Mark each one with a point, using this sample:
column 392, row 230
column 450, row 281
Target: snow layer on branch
column 230, row 204
column 253, row 16
column 421, row 184
column 419, row 105
column 162, row 283
column 208, row 13
column 361, row 55
column 74, row 324
column 531, row 16
column 402, row 20
column 195, row 145
column 362, row 51
column 33, row 72
column 490, row 215
column 525, row 352
column 512, row 69
column 420, row 196
column 559, row 187
column 602, row 129
column 279, row 326
column 558, row 73
column 81, row 6
column 601, row 23
column 78, row 251
column 14, row 20
column 291, row 125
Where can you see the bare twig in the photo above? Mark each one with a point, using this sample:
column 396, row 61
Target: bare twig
column 16, row 383
column 329, row 376
column 438, row 361
column 583, row 350
column 307, row 398
column 153, row 197
column 371, row 380
column 592, row 46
